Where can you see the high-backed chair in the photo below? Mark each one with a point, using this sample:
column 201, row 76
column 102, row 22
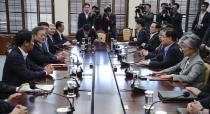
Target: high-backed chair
column 127, row 34
column 102, row 36
column 207, row 72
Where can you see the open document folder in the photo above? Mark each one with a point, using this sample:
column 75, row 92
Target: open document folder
column 41, row 88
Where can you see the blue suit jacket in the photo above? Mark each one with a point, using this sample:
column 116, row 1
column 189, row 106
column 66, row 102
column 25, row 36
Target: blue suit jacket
column 82, row 20
column 17, row 70
column 142, row 37
column 204, row 96
column 40, row 55
column 6, row 107
column 6, row 90
column 157, row 52
column 153, row 43
column 172, row 57
column 205, row 22
column 59, row 41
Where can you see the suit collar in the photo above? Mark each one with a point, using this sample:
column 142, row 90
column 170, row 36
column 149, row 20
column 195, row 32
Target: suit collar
column 23, row 53
column 18, row 50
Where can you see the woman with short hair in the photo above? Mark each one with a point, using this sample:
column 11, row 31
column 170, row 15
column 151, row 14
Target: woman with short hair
column 192, row 66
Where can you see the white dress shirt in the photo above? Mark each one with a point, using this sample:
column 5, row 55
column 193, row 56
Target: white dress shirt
column 23, row 53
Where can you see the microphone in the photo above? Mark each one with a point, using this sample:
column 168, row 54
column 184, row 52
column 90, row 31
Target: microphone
column 78, row 63
column 185, row 94
column 71, row 108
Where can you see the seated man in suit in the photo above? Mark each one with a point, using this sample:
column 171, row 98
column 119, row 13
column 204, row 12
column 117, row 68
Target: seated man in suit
column 142, row 35
column 39, row 53
column 9, row 105
column 7, row 90
column 154, row 41
column 169, row 55
column 53, row 48
column 152, row 54
column 59, row 39
column 10, row 108
column 45, row 25
column 49, row 40
column 196, row 108
column 191, row 70
column 85, row 32
column 18, row 68
column 203, row 95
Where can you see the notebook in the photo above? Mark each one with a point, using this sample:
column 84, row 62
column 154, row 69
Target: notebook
column 59, row 66
column 175, row 96
column 44, row 88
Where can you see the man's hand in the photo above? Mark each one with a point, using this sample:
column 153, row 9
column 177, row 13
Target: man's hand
column 144, row 52
column 194, row 90
column 144, row 62
column 49, row 69
column 194, row 107
column 74, row 42
column 143, row 44
column 15, row 98
column 202, row 47
column 67, row 43
column 19, row 109
column 168, row 13
column 199, row 26
column 141, row 12
column 60, row 56
column 93, row 13
column 135, row 39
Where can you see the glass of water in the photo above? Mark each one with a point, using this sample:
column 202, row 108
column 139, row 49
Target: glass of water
column 148, row 99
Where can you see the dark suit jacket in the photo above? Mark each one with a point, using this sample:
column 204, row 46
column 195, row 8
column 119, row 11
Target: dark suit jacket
column 80, row 35
column 205, row 22
column 53, row 48
column 17, row 70
column 6, row 90
column 153, row 43
column 156, row 52
column 82, row 20
column 59, row 41
column 172, row 57
column 148, row 18
column 176, row 21
column 6, row 107
column 206, row 38
column 204, row 96
column 160, row 19
column 111, row 23
column 40, row 55
column 142, row 37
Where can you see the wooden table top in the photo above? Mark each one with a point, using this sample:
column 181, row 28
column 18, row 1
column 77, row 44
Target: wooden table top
column 102, row 89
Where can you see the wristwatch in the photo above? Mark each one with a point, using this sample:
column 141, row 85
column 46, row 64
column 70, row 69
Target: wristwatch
column 201, row 111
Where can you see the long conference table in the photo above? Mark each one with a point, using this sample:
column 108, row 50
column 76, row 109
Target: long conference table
column 102, row 89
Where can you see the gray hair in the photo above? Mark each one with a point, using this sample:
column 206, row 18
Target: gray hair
column 192, row 41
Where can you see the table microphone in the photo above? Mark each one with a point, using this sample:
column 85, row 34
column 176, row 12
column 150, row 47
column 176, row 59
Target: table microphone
column 185, row 94
column 33, row 86
column 78, row 63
